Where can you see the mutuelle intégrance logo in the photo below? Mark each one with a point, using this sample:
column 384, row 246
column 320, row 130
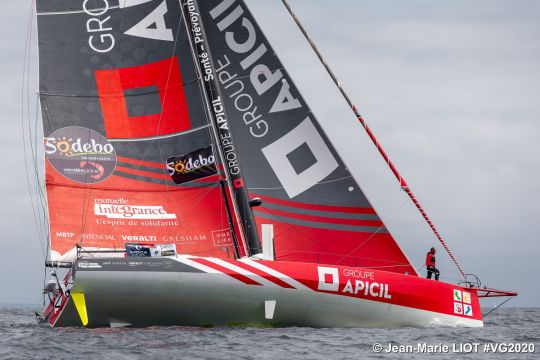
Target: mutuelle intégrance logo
column 80, row 154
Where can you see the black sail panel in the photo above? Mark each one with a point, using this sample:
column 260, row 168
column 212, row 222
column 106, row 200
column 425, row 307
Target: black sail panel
column 318, row 210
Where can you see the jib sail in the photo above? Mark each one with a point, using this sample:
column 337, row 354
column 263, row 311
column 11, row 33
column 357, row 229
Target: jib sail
column 126, row 130
column 319, row 212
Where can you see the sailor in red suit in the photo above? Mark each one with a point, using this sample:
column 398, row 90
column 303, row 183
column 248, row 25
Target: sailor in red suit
column 430, row 264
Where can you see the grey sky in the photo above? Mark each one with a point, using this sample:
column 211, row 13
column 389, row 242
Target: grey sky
column 450, row 89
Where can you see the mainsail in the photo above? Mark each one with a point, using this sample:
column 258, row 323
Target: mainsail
column 123, row 119
column 319, row 212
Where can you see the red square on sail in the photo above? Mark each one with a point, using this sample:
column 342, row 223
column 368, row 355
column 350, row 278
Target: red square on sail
column 165, row 75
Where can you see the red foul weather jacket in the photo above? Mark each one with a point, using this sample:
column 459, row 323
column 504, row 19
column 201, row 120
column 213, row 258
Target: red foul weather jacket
column 430, row 259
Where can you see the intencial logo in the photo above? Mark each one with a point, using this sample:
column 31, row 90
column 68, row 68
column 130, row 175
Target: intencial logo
column 80, row 154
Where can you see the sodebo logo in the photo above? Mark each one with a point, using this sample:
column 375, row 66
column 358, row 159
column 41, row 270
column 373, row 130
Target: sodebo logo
column 80, row 154
column 189, row 165
column 76, row 147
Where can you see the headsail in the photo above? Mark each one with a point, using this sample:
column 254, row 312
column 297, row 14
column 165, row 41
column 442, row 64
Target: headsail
column 319, row 212
column 119, row 98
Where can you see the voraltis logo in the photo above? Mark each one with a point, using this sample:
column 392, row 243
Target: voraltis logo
column 184, row 166
column 80, row 154
column 113, row 211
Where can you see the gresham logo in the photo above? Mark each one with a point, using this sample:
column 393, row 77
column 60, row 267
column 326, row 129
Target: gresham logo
column 80, row 154
column 185, row 166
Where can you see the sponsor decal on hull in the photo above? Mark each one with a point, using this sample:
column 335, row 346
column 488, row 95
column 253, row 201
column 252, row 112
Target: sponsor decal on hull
column 362, row 283
column 380, row 286
column 462, row 303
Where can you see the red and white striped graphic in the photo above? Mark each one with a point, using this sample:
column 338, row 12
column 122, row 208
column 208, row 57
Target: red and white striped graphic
column 248, row 271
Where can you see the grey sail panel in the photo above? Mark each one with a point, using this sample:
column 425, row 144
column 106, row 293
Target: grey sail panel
column 286, row 157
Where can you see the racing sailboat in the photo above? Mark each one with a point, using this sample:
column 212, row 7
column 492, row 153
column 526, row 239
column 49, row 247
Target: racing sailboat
column 189, row 183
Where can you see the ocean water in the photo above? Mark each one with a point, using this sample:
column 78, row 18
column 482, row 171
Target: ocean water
column 22, row 338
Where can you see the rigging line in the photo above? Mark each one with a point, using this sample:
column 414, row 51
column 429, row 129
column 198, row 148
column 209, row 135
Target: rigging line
column 86, row 199
column 34, row 147
column 394, row 263
column 145, row 154
column 164, row 171
column 118, row 96
column 39, row 197
column 74, row 11
column 39, row 186
column 165, row 93
column 372, row 235
column 401, row 180
column 289, row 226
column 25, row 83
column 160, row 137
column 319, row 183
column 496, row 307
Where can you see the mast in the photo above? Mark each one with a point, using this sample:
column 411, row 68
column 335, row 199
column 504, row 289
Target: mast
column 404, row 186
column 223, row 136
